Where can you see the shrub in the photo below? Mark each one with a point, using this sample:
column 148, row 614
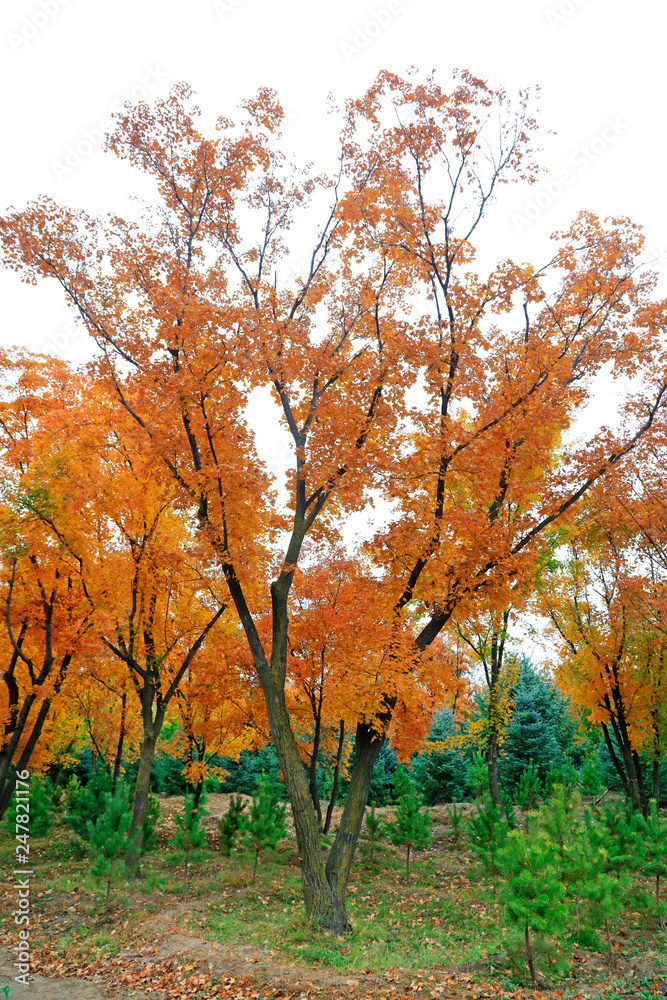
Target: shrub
column 39, row 805
column 411, row 825
column 230, row 824
column 264, row 825
column 107, row 837
column 189, row 841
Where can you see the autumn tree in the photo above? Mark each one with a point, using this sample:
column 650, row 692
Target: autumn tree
column 137, row 571
column 45, row 618
column 609, row 663
column 486, row 632
column 198, row 309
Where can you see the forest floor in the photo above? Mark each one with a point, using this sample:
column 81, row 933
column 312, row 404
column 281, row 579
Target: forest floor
column 436, row 938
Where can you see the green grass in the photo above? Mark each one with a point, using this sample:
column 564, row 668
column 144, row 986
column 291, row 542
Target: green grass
column 447, row 915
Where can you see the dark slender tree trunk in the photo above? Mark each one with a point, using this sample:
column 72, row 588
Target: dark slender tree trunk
column 336, row 778
column 492, row 764
column 529, row 956
column 656, row 783
column 152, row 729
column 625, row 766
column 312, row 770
column 367, row 750
column 121, row 737
column 199, row 788
column 10, row 749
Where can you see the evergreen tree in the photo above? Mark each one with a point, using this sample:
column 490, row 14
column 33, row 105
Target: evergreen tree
column 148, row 839
column 619, row 836
column 108, row 838
column 540, row 731
column 590, row 781
column 603, row 894
column 478, row 776
column 528, row 789
column 533, row 891
column 189, row 841
column 654, row 836
column 411, row 825
column 230, row 824
column 374, row 828
column 440, row 773
column 86, row 803
column 40, row 805
column 487, row 833
column 264, row 825
column 558, row 817
column 456, row 820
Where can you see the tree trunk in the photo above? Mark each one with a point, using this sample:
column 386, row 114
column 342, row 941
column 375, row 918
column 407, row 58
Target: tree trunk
column 656, row 783
column 612, row 959
column 624, row 767
column 140, row 803
column 367, row 750
column 121, row 737
column 492, row 763
column 254, row 870
column 26, row 753
column 8, row 752
column 336, row 778
column 312, row 770
column 529, row 956
column 407, row 865
column 324, row 906
column 199, row 788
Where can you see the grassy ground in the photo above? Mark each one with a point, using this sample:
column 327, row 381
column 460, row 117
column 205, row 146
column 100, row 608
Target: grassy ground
column 438, row 935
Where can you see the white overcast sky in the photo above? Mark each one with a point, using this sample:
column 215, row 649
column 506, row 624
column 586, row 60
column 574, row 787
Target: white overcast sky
column 66, row 64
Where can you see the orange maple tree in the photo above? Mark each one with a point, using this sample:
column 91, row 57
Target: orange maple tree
column 602, row 604
column 46, row 621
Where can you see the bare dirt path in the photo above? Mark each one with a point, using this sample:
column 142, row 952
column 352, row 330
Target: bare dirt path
column 65, row 988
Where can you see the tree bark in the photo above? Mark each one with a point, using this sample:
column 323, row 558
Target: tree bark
column 152, row 730
column 492, row 764
column 336, row 778
column 121, row 737
column 656, row 783
column 529, row 956
column 10, row 749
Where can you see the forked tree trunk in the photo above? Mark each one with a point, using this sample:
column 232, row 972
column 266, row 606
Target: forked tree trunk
column 323, row 885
